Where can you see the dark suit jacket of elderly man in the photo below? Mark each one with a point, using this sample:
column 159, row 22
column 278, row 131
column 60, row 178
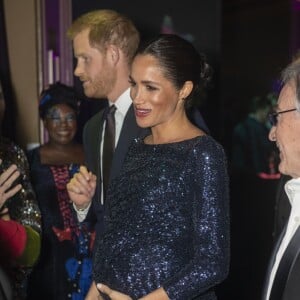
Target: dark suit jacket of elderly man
column 286, row 284
column 92, row 136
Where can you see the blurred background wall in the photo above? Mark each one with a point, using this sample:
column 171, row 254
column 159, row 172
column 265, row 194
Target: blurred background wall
column 246, row 41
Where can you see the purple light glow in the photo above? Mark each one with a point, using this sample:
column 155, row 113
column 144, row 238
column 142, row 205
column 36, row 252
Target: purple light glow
column 296, row 5
column 52, row 25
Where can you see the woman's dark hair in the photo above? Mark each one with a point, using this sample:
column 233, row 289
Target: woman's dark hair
column 180, row 62
column 58, row 93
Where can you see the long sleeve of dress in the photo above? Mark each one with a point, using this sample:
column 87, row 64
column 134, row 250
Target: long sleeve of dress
column 210, row 263
column 12, row 239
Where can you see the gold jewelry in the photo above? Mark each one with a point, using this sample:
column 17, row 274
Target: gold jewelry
column 81, row 208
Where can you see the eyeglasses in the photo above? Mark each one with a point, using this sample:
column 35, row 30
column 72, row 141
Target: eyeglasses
column 273, row 117
column 58, row 120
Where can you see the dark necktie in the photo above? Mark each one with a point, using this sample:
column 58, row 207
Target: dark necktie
column 108, row 147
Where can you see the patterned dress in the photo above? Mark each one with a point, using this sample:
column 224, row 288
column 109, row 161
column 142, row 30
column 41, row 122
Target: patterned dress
column 64, row 269
column 167, row 222
column 23, row 208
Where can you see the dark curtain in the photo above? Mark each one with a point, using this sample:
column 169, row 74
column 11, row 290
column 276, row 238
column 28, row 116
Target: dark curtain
column 8, row 123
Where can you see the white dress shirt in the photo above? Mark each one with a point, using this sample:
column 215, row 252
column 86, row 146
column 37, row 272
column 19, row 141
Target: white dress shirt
column 292, row 188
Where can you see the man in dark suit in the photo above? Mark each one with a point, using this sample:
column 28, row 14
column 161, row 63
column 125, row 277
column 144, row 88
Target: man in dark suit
column 282, row 281
column 104, row 43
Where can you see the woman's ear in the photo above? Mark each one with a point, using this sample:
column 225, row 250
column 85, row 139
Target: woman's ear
column 45, row 124
column 186, row 89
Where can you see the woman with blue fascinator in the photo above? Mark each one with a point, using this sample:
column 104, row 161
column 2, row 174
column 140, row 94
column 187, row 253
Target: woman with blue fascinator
column 64, row 268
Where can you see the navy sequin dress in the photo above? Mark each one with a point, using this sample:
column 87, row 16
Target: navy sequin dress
column 168, row 221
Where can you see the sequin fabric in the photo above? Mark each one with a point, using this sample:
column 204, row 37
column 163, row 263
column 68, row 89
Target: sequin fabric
column 22, row 207
column 167, row 221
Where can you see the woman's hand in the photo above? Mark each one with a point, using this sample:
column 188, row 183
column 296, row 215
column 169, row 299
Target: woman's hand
column 7, row 178
column 93, row 293
column 112, row 294
column 159, row 294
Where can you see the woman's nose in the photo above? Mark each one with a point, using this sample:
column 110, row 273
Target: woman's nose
column 139, row 97
column 135, row 96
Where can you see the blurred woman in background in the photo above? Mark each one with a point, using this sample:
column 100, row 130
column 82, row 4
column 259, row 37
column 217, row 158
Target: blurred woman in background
column 64, row 269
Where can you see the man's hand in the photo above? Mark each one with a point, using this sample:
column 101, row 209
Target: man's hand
column 81, row 188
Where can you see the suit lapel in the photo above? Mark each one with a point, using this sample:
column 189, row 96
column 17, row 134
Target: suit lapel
column 272, row 261
column 285, row 266
column 129, row 131
column 92, row 136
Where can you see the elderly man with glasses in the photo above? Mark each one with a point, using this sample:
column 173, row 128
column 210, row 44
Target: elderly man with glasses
column 283, row 275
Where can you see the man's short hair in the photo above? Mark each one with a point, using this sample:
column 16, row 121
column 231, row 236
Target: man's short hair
column 108, row 27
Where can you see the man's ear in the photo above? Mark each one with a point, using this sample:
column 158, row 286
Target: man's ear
column 114, row 53
column 186, row 89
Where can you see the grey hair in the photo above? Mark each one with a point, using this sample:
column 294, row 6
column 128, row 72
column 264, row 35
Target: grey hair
column 291, row 74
